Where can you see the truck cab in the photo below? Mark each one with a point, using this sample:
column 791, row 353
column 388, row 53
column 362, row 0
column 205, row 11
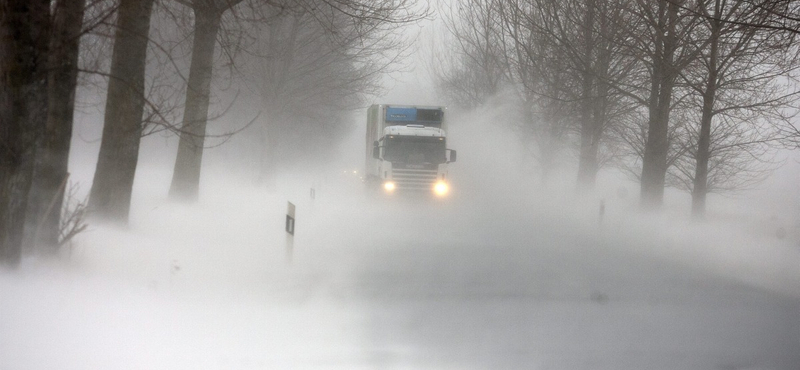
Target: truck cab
column 407, row 150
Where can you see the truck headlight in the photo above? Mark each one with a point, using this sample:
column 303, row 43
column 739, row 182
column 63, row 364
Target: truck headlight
column 389, row 186
column 441, row 188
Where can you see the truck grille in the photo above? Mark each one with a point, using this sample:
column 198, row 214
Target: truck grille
column 413, row 179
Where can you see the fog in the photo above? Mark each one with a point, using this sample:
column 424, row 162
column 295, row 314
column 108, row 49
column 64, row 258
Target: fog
column 507, row 272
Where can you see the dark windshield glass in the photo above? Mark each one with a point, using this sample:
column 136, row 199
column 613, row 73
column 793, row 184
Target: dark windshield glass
column 415, row 149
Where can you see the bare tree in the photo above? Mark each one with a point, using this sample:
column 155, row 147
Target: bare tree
column 742, row 104
column 584, row 66
column 542, row 76
column 475, row 69
column 561, row 55
column 61, row 33
column 24, row 41
column 52, row 157
column 665, row 62
column 660, row 36
column 365, row 18
column 122, row 129
column 207, row 17
column 588, row 33
column 309, row 78
column 777, row 16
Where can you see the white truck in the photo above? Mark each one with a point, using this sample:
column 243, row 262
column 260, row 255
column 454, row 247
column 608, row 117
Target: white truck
column 407, row 149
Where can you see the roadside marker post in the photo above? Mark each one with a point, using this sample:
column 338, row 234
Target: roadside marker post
column 290, row 223
column 290, row 219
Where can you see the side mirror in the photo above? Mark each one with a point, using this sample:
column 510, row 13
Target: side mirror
column 376, row 150
column 453, row 155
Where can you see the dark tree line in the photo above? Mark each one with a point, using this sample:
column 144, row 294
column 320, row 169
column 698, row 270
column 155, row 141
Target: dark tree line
column 694, row 94
column 39, row 54
column 38, row 69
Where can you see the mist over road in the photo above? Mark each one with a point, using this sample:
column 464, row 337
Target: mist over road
column 625, row 194
column 480, row 281
column 502, row 285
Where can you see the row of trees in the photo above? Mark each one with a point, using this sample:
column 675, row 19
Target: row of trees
column 158, row 45
column 38, row 71
column 686, row 93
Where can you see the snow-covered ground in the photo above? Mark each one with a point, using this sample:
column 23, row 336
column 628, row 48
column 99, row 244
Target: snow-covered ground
column 478, row 282
column 504, row 275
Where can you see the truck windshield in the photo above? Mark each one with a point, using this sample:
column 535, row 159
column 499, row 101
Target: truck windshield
column 415, row 149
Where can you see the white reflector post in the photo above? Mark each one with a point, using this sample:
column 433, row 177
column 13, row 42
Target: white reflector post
column 290, row 218
column 290, row 221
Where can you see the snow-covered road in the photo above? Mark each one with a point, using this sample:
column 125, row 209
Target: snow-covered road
column 470, row 284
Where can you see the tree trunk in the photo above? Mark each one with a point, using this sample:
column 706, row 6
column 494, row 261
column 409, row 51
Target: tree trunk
column 654, row 163
column 186, row 176
column 700, row 183
column 24, row 31
column 52, row 157
column 599, row 114
column 587, row 159
column 110, row 197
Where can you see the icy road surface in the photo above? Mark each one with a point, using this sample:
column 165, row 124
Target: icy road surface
column 471, row 284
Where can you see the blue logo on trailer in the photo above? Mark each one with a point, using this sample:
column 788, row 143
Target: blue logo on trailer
column 401, row 114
